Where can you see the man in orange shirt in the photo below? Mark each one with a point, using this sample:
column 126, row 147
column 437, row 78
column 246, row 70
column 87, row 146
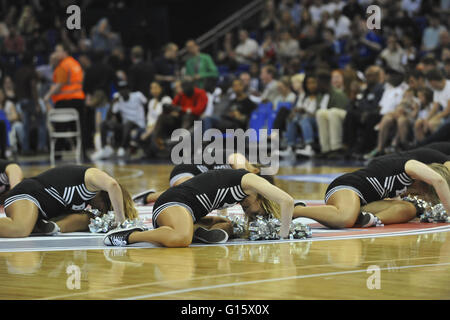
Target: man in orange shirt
column 67, row 88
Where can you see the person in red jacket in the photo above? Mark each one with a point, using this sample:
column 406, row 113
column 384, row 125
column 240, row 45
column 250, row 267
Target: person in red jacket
column 186, row 107
column 192, row 102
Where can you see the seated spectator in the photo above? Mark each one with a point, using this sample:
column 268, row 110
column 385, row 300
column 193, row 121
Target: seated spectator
column 395, row 127
column 421, row 130
column 285, row 95
column 447, row 68
column 102, row 38
column 416, row 80
column 237, row 114
column 130, row 107
column 141, row 73
column 330, row 117
column 440, row 112
column 16, row 126
column 392, row 56
column 247, row 50
column 302, row 119
column 267, row 76
column 287, row 47
column 199, row 66
column 268, row 49
column 340, row 24
column 352, row 8
column 154, row 110
column 14, row 43
column 430, row 36
column 363, row 114
column 166, row 67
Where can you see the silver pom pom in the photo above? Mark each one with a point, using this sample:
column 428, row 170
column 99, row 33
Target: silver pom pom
column 268, row 229
column 435, row 214
column 106, row 222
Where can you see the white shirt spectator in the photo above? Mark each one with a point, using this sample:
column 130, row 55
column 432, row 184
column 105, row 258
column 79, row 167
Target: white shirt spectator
column 316, row 13
column 332, row 6
column 394, row 59
column 392, row 96
column 155, row 108
column 270, row 92
column 442, row 96
column 213, row 98
column 288, row 49
column 132, row 109
column 411, row 6
column 341, row 27
column 249, row 48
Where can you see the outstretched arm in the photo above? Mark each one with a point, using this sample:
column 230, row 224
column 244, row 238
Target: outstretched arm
column 420, row 171
column 14, row 173
column 97, row 180
column 253, row 183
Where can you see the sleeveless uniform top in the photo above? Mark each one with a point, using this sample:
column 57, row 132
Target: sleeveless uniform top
column 55, row 192
column 385, row 176
column 4, row 180
column 192, row 170
column 215, row 189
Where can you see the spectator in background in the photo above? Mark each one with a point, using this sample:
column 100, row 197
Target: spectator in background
column 425, row 96
column 287, row 47
column 440, row 112
column 358, row 118
column 98, row 80
column 14, row 43
column 155, row 108
column 340, row 24
column 67, row 89
column 9, row 89
column 268, row 19
column 330, row 117
column 187, row 106
column 237, row 114
column 447, row 68
column 4, row 126
column 268, row 49
column 393, row 54
column 430, row 36
column 26, row 80
column 102, row 38
column 246, row 51
column 141, row 73
column 411, row 6
column 166, row 67
column 303, row 117
column 199, row 66
column 416, row 80
column 130, row 106
column 315, row 10
column 267, row 76
column 118, row 61
column 352, row 8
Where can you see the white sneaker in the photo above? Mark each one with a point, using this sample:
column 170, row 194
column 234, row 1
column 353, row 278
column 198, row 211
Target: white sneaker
column 307, row 151
column 286, row 153
column 104, row 153
column 121, row 152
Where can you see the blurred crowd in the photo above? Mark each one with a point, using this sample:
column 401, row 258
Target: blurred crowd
column 310, row 68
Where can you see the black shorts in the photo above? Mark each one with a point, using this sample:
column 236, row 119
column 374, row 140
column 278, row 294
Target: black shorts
column 354, row 182
column 32, row 190
column 172, row 197
column 186, row 170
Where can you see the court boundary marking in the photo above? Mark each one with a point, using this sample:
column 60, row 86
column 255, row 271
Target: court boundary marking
column 230, row 243
column 225, row 285
column 140, row 285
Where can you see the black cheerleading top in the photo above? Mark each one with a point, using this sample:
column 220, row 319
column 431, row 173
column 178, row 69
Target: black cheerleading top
column 385, row 176
column 215, row 189
column 57, row 191
column 192, row 170
column 4, row 180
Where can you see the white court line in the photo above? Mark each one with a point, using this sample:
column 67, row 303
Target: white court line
column 214, row 277
column 274, row 280
column 235, row 243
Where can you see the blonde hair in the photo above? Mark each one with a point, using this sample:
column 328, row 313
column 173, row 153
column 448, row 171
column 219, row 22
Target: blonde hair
column 128, row 204
column 270, row 207
column 429, row 190
column 129, row 209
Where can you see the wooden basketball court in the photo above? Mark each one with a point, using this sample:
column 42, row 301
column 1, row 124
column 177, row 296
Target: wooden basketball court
column 394, row 263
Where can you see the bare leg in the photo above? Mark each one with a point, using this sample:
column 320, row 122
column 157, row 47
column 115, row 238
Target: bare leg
column 21, row 218
column 341, row 210
column 419, row 130
column 392, row 211
column 403, row 129
column 385, row 127
column 152, row 197
column 73, row 222
column 176, row 229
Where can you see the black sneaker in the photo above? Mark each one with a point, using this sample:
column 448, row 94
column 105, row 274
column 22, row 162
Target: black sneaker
column 210, row 236
column 299, row 203
column 45, row 228
column 119, row 237
column 366, row 220
column 140, row 198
